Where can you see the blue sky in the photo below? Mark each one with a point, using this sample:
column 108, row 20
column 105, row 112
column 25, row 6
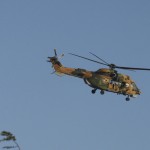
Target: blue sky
column 45, row 111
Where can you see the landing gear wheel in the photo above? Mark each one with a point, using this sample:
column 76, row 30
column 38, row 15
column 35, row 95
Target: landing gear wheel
column 102, row 92
column 93, row 91
column 127, row 98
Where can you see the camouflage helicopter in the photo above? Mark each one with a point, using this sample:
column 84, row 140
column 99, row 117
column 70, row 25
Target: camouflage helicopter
column 104, row 79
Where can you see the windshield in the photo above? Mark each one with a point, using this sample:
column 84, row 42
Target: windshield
column 135, row 87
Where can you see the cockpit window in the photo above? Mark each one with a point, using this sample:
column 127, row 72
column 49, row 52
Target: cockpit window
column 134, row 86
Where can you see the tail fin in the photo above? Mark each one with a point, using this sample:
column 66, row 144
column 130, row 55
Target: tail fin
column 54, row 60
column 56, row 64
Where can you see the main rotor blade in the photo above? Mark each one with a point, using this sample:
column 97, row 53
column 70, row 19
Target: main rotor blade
column 99, row 58
column 132, row 68
column 113, row 66
column 89, row 59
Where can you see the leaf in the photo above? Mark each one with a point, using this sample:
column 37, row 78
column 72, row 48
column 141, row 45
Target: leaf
column 9, row 136
column 8, row 147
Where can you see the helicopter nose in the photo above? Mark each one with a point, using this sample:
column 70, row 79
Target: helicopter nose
column 138, row 92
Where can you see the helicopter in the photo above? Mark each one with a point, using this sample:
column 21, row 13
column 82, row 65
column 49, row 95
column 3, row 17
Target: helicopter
column 103, row 79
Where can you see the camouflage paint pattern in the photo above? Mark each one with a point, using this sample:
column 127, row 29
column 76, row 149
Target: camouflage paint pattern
column 103, row 79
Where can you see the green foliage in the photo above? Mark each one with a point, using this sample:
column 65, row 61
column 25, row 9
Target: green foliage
column 8, row 136
column 9, row 147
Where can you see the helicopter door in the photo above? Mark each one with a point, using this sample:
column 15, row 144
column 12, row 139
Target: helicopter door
column 114, row 86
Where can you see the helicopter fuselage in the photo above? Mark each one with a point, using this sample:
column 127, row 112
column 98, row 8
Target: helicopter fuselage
column 116, row 83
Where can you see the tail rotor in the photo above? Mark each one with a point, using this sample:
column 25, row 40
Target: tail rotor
column 55, row 58
column 55, row 52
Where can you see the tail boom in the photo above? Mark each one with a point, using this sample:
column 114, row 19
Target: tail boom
column 81, row 73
